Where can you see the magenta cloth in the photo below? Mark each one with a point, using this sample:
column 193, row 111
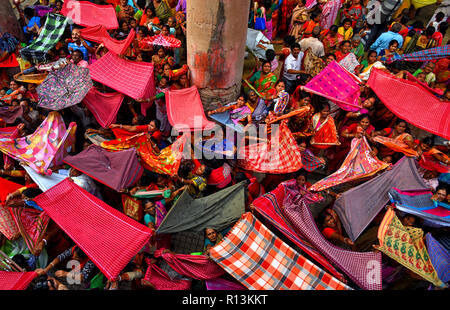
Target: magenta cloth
column 131, row 78
column 221, row 284
column 118, row 170
column 161, row 280
column 198, row 267
column 86, row 14
column 104, row 106
column 12, row 281
column 411, row 102
column 10, row 113
column 437, row 91
column 361, row 267
column 185, row 109
column 338, row 85
column 162, row 41
column 42, row 10
column 107, row 236
column 270, row 205
column 100, row 34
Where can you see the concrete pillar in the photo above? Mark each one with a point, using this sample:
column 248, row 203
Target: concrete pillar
column 216, row 37
column 8, row 19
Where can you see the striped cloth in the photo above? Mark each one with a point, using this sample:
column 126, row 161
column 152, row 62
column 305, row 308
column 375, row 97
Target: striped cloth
column 358, row 164
column 440, row 258
column 54, row 28
column 10, row 281
column 162, row 281
column 280, row 155
column 131, row 78
column 363, row 268
column 270, row 206
column 100, row 34
column 424, row 55
column 197, row 267
column 261, row 261
column 107, row 236
column 7, row 225
column 32, row 224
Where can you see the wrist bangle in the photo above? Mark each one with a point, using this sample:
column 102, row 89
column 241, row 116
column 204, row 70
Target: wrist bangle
column 45, row 242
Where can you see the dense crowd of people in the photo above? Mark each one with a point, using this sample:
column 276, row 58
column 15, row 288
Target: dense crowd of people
column 307, row 36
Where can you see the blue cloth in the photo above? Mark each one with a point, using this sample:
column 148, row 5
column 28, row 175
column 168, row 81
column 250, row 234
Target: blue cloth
column 34, row 20
column 80, row 48
column 32, row 204
column 383, row 41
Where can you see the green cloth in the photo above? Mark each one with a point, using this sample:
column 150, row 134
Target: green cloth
column 218, row 211
column 358, row 51
column 98, row 282
column 18, row 246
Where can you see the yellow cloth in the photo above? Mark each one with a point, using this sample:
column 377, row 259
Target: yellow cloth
column 405, row 245
column 346, row 34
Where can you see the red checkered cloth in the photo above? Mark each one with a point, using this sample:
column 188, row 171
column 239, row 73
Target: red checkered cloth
column 258, row 259
column 7, row 225
column 131, row 78
column 13, row 281
column 85, row 13
column 197, row 267
column 360, row 267
column 406, row 100
column 100, row 34
column 270, row 206
column 107, row 236
column 32, row 224
column 280, row 155
column 162, row 281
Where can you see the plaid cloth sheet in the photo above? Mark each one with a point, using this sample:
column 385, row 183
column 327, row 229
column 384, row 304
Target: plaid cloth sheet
column 280, row 155
column 258, row 259
column 425, row 55
column 54, row 28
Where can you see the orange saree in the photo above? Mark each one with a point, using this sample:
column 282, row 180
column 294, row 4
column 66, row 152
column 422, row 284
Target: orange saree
column 325, row 133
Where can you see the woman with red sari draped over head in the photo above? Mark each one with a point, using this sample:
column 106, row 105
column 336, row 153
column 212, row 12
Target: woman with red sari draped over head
column 300, row 125
column 395, row 141
column 331, row 39
column 324, row 130
column 355, row 130
column 433, row 159
column 287, row 6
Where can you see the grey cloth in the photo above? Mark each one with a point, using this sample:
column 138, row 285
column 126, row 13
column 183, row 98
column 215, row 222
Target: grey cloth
column 218, row 211
column 357, row 207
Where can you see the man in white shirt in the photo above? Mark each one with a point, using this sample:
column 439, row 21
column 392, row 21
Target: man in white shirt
column 292, row 68
column 314, row 43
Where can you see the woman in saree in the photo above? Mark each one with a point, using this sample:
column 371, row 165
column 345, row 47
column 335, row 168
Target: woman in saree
column 300, row 15
column 432, row 158
column 299, row 186
column 329, row 13
column 346, row 58
column 300, row 125
column 124, row 11
column 263, row 80
column 15, row 91
column 162, row 10
column 324, row 129
column 310, row 161
column 332, row 39
column 287, row 7
column 368, row 64
column 390, row 52
column 239, row 111
column 395, row 141
column 160, row 59
column 279, row 98
column 355, row 130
